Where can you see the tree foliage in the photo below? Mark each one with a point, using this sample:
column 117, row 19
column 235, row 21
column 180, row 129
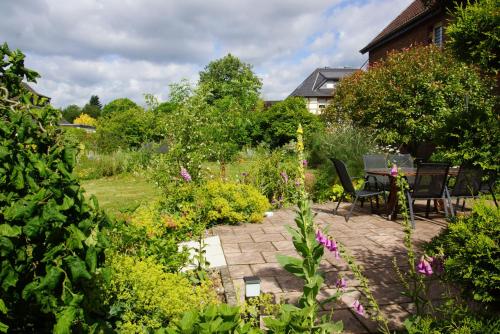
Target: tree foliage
column 50, row 240
column 13, row 72
column 231, row 78
column 71, row 112
column 474, row 35
column 94, row 101
column 423, row 94
column 118, row 105
column 85, row 119
column 277, row 125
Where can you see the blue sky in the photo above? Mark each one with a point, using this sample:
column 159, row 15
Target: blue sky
column 125, row 48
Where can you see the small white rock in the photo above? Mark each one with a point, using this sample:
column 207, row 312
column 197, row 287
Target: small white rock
column 268, row 214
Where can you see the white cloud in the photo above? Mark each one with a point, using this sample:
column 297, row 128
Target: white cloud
column 117, row 48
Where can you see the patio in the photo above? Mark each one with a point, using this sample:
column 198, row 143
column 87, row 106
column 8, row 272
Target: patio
column 251, row 249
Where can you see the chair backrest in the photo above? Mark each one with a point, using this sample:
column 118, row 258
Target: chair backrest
column 430, row 180
column 468, row 182
column 374, row 161
column 424, row 151
column 402, row 160
column 343, row 176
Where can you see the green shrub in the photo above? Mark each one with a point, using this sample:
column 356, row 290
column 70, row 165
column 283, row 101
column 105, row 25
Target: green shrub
column 344, row 142
column 423, row 94
column 471, row 246
column 96, row 165
column 277, row 125
column 51, row 245
column 142, row 297
column 231, row 203
column 457, row 323
column 275, row 174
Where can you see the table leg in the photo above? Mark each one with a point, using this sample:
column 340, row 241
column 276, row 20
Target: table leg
column 392, row 200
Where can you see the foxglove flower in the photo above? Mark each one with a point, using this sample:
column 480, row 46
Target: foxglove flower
column 304, row 163
column 185, row 174
column 284, row 176
column 424, row 267
column 320, row 238
column 358, row 308
column 394, row 170
column 341, row 283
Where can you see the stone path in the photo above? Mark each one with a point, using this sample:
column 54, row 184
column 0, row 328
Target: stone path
column 251, row 249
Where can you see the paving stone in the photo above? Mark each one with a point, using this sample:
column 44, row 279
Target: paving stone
column 351, row 323
column 239, row 271
column 283, row 245
column 236, row 238
column 231, row 248
column 389, row 294
column 290, row 297
column 269, row 285
column 244, row 258
column 270, row 257
column 289, row 283
column 262, row 237
column 268, row 269
column 332, row 277
column 256, row 247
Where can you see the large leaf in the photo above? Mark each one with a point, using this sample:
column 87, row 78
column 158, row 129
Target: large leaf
column 77, row 267
column 9, row 231
column 65, row 320
column 291, row 264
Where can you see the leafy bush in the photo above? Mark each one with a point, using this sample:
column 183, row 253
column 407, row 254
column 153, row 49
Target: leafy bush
column 142, row 297
column 96, row 165
column 119, row 105
column 275, row 174
column 85, row 120
column 277, row 125
column 128, row 129
column 423, row 95
column 473, row 35
column 217, row 318
column 472, row 252
column 344, row 142
column 231, row 203
column 50, row 241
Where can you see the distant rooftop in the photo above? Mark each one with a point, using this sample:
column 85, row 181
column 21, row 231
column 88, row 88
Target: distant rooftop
column 321, row 82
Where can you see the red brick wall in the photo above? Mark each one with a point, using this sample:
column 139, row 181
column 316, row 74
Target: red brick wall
column 419, row 35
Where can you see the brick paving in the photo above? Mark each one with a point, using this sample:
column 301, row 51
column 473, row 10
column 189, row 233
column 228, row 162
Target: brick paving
column 251, row 249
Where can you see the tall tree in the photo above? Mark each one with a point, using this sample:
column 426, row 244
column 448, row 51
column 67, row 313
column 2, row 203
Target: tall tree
column 230, row 78
column 119, row 105
column 71, row 112
column 474, row 35
column 94, row 101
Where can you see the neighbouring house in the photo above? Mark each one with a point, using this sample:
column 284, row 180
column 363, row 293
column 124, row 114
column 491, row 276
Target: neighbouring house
column 30, row 89
column 318, row 87
column 419, row 24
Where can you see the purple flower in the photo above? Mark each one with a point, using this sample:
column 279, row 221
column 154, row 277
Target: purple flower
column 358, row 307
column 333, row 246
column 341, row 283
column 424, row 267
column 185, row 174
column 320, row 238
column 304, row 163
column 284, row 176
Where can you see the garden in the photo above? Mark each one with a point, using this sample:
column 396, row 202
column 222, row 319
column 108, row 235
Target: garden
column 92, row 224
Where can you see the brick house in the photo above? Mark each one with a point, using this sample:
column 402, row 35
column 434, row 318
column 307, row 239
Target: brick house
column 318, row 87
column 418, row 24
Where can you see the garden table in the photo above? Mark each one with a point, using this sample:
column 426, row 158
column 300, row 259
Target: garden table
column 392, row 200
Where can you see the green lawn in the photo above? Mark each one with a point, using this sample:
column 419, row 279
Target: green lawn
column 120, row 193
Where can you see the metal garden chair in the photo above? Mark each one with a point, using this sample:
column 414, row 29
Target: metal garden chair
column 375, row 182
column 346, row 182
column 467, row 185
column 488, row 186
column 430, row 184
column 402, row 160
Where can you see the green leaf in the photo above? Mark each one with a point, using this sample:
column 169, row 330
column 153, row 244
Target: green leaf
column 3, row 308
column 75, row 239
column 77, row 268
column 33, row 226
column 9, row 231
column 91, row 259
column 3, row 327
column 291, row 264
column 65, row 320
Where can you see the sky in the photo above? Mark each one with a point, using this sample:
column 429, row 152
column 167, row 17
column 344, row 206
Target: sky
column 125, row 48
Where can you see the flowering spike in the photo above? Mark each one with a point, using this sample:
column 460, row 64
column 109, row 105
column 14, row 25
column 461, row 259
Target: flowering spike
column 185, row 174
column 424, row 267
column 358, row 307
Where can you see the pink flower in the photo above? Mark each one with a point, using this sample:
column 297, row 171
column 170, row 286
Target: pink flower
column 185, row 174
column 341, row 283
column 358, row 307
column 424, row 267
column 304, row 163
column 394, row 170
column 320, row 238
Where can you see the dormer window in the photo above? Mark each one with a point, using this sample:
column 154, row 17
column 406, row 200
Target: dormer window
column 328, row 85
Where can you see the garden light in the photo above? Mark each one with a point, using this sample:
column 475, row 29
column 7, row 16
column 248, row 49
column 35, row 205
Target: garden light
column 252, row 286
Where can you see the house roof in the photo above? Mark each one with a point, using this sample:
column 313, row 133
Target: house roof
column 310, row 87
column 416, row 10
column 30, row 89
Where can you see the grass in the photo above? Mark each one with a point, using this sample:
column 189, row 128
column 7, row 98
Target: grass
column 120, row 193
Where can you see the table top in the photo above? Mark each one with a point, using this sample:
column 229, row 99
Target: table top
column 408, row 171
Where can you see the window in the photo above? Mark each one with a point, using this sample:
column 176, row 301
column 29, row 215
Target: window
column 328, row 85
column 438, row 35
